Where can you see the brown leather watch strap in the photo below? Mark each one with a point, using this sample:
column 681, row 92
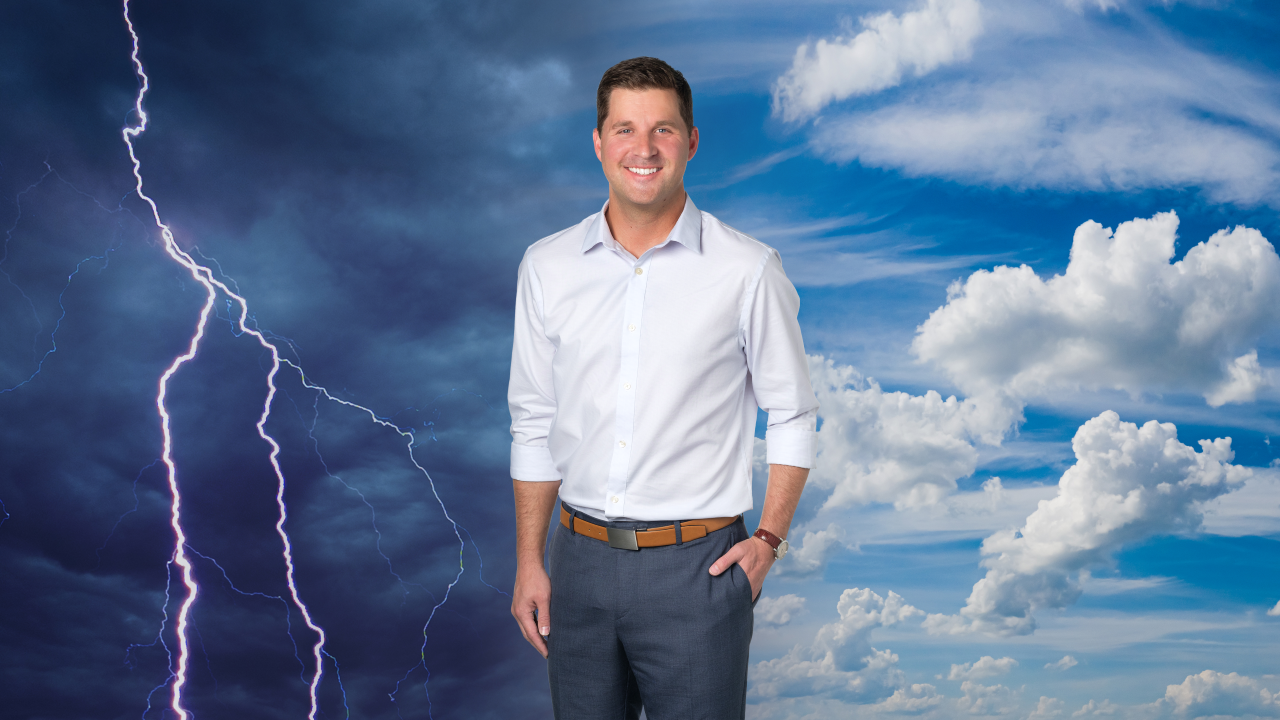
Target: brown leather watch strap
column 773, row 540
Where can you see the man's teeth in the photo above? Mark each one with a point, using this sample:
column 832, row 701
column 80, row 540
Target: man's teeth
column 643, row 171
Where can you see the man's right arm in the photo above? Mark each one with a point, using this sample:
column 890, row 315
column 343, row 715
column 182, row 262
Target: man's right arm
column 531, row 396
column 531, row 600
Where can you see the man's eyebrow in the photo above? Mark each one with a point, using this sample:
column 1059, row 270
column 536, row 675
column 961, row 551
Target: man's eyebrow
column 628, row 123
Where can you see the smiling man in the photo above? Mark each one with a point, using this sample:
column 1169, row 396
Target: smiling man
column 646, row 337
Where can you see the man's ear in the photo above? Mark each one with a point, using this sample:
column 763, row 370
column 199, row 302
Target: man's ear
column 693, row 143
column 595, row 140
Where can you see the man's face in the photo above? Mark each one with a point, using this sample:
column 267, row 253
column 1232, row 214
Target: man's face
column 644, row 147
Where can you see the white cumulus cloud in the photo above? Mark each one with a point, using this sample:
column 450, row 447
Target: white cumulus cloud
column 1093, row 708
column 1122, row 316
column 1204, row 696
column 778, row 611
column 1066, row 663
column 1244, row 378
column 809, row 556
column 894, row 447
column 911, row 700
column 840, row 662
column 981, row 699
column 1129, row 483
column 1047, row 708
column 1274, row 611
column 1213, row 693
column 939, row 33
column 985, row 667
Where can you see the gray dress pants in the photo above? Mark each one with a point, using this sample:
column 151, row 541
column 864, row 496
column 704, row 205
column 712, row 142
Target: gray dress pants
column 647, row 628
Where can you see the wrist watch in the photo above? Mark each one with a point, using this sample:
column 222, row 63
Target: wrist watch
column 779, row 545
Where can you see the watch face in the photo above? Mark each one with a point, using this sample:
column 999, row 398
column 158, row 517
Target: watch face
column 781, row 550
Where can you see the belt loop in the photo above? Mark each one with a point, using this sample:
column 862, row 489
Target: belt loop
column 679, row 540
column 573, row 515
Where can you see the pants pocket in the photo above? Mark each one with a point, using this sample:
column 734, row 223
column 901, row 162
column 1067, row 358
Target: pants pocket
column 740, row 577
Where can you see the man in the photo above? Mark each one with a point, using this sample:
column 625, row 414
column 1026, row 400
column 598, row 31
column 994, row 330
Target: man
column 645, row 338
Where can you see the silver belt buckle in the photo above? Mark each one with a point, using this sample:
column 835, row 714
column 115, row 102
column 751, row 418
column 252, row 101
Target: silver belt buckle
column 622, row 539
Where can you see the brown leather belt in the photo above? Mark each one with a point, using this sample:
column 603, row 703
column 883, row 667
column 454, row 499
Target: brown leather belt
column 653, row 537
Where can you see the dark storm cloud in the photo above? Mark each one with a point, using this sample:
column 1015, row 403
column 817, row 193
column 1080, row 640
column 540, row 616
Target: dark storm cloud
column 369, row 176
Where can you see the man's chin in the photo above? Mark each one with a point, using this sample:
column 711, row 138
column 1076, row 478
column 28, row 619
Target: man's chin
column 649, row 199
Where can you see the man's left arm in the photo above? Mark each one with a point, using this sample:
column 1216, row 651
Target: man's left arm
column 780, row 381
column 780, row 499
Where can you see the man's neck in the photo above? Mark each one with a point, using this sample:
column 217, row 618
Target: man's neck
column 637, row 229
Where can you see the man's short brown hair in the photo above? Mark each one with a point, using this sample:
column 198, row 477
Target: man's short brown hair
column 643, row 73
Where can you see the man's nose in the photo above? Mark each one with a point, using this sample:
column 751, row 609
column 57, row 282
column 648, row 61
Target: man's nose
column 645, row 147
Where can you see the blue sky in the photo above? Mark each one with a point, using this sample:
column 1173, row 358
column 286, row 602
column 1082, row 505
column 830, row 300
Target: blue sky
column 972, row 196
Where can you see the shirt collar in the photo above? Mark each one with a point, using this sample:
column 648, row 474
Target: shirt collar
column 687, row 231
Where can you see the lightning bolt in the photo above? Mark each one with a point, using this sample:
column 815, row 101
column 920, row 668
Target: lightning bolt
column 212, row 286
column 288, row 618
column 129, row 659
column 457, row 529
column 204, row 274
column 35, row 314
column 98, row 553
column 53, row 335
column 4, row 256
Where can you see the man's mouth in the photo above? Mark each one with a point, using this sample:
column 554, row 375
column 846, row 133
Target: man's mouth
column 643, row 171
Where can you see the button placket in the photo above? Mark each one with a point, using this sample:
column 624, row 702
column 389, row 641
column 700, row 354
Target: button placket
column 629, row 361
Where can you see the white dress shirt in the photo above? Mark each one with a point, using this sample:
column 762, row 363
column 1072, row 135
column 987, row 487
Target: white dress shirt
column 636, row 380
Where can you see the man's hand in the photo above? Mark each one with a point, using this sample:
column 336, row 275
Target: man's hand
column 535, row 503
column 533, row 595
column 780, row 499
column 754, row 555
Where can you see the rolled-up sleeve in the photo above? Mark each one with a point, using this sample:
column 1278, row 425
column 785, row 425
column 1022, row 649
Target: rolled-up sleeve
column 779, row 369
column 531, row 394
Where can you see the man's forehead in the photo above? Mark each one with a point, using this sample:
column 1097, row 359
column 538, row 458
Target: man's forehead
column 623, row 99
column 642, row 91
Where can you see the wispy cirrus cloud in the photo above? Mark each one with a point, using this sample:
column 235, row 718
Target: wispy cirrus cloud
column 1100, row 105
column 889, row 46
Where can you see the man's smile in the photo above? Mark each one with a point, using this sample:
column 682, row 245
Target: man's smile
column 643, row 170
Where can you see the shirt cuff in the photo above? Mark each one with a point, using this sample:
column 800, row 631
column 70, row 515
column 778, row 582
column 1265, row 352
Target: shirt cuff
column 532, row 464
column 790, row 446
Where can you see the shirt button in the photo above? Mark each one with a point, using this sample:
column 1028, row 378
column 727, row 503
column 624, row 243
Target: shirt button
column 639, row 271
column 622, row 443
column 626, row 386
column 615, row 498
column 632, row 328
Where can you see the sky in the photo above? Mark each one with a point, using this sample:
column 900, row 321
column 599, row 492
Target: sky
column 1033, row 241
